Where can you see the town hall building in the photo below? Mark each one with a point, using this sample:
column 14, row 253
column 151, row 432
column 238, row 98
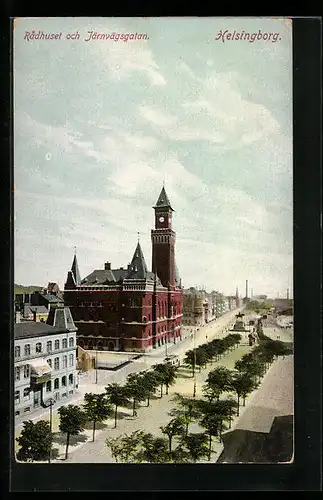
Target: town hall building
column 130, row 309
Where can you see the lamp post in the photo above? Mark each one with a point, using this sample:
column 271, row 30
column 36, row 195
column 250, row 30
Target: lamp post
column 49, row 404
column 194, row 368
column 96, row 366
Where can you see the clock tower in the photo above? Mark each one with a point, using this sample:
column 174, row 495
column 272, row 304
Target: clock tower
column 163, row 241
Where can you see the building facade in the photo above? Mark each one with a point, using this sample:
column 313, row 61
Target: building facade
column 44, row 361
column 130, row 309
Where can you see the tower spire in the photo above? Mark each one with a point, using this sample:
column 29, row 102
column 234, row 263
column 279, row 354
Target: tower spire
column 75, row 269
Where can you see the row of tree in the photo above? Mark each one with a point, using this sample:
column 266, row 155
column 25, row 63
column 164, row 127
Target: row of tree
column 36, row 439
column 211, row 351
column 213, row 414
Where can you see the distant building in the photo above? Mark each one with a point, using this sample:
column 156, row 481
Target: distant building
column 44, row 361
column 52, row 288
column 283, row 306
column 193, row 307
column 35, row 313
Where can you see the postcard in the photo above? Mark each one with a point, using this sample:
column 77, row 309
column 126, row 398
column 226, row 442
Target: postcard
column 153, row 227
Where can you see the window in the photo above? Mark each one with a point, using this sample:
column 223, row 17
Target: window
column 17, row 413
column 49, row 346
column 56, row 383
column 27, row 394
column 64, row 343
column 64, row 381
column 38, row 347
column 71, row 342
column 64, row 361
column 26, row 410
column 17, row 351
column 70, row 378
column 17, row 373
column 26, row 371
column 49, row 362
column 56, row 364
column 71, row 359
column 27, row 349
column 49, row 386
column 17, row 397
column 56, row 345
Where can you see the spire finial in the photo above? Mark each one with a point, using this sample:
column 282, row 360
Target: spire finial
column 138, row 236
column 74, row 250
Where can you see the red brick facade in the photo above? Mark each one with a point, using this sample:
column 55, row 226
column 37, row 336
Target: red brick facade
column 130, row 309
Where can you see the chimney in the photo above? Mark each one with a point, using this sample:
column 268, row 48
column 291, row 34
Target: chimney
column 246, row 289
column 107, row 266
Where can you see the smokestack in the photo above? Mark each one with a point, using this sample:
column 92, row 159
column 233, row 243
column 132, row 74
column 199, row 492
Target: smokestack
column 246, row 289
column 287, row 293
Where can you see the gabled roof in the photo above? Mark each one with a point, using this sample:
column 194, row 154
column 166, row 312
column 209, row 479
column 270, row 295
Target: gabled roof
column 163, row 200
column 138, row 268
column 75, row 271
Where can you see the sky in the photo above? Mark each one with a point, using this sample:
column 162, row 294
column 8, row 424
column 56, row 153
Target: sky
column 99, row 125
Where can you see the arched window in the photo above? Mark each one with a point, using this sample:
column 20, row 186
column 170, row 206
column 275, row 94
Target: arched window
column 56, row 383
column 38, row 347
column 17, row 351
column 64, row 343
column 27, row 350
column 65, row 361
column 49, row 362
column 71, row 342
column 56, row 345
column 71, row 360
column 49, row 346
column 26, row 371
column 70, row 378
column 64, row 381
column 49, row 386
column 56, row 364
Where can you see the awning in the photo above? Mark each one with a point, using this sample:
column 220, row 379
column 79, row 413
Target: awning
column 39, row 367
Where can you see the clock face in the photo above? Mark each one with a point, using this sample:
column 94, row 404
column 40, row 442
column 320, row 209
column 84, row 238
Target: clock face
column 161, row 219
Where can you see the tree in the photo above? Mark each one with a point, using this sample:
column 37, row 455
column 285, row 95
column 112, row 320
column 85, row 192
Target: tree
column 196, row 445
column 150, row 382
column 166, row 373
column 219, row 380
column 175, row 427
column 124, row 448
column 189, row 359
column 97, row 408
column 153, row 450
column 135, row 389
column 186, row 409
column 242, row 385
column 211, row 424
column 72, row 422
column 117, row 396
column 35, row 441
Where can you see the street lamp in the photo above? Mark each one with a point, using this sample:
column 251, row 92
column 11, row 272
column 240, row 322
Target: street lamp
column 194, row 368
column 49, row 404
column 96, row 366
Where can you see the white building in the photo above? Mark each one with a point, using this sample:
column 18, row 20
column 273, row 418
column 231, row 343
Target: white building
column 45, row 361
